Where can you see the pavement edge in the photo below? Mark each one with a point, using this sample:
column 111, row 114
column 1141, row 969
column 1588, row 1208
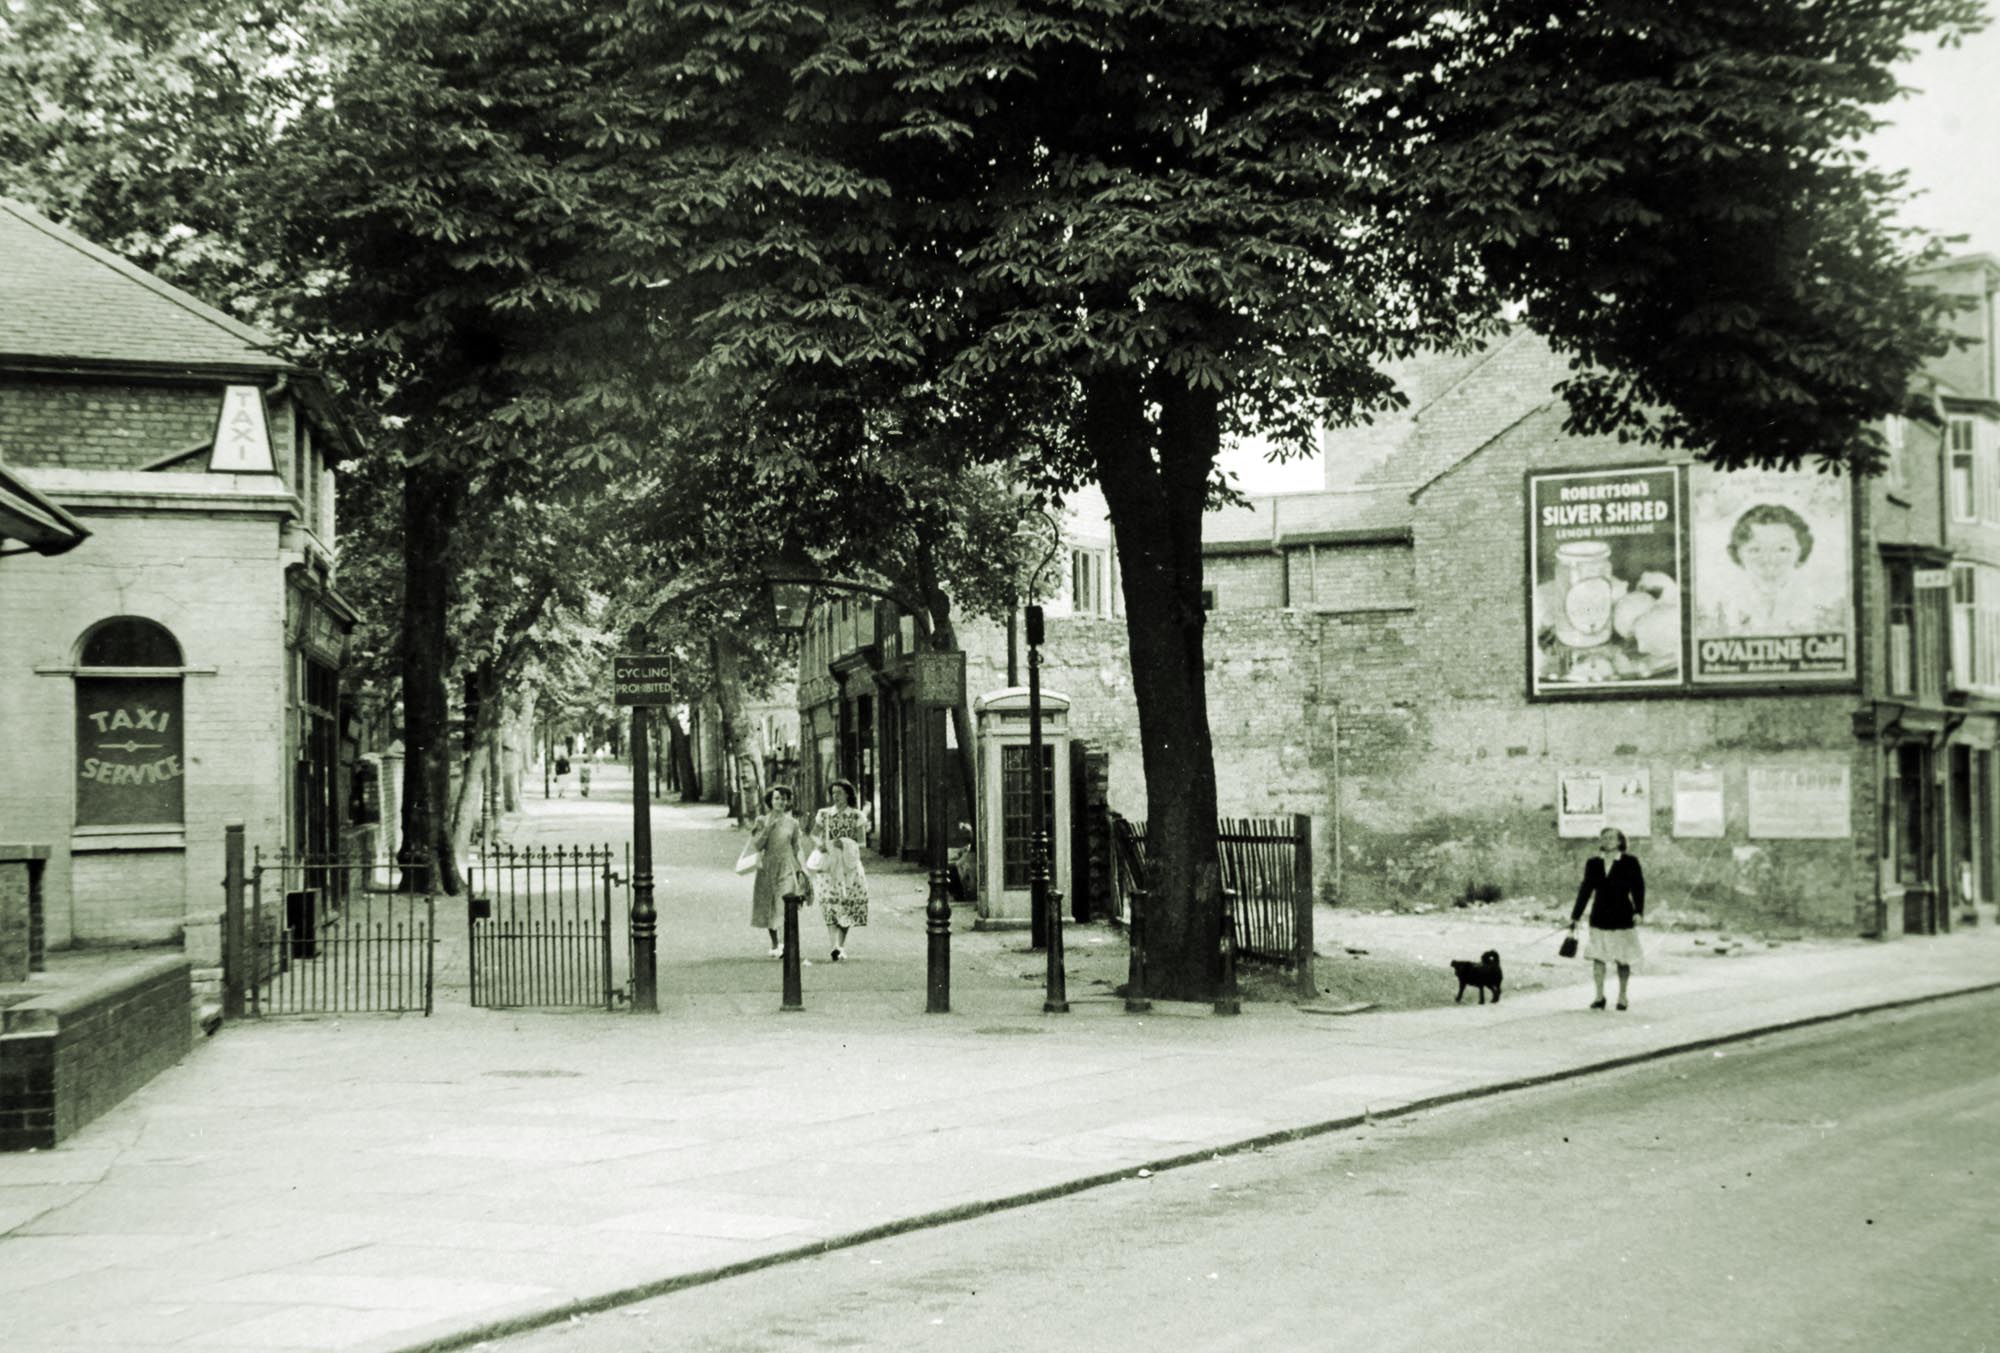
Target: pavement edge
column 606, row 1301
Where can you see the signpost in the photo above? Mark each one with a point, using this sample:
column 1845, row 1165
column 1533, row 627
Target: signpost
column 940, row 683
column 642, row 680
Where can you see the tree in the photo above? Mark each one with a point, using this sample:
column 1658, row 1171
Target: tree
column 470, row 280
column 1216, row 216
column 138, row 124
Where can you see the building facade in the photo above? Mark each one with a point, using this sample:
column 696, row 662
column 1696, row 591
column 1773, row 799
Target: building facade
column 179, row 670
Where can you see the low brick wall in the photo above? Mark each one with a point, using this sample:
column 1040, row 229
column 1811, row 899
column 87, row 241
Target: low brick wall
column 67, row 1057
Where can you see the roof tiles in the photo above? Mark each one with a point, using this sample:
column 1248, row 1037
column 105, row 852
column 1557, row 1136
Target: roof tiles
column 64, row 299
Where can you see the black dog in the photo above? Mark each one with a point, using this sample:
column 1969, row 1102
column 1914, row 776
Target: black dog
column 1485, row 974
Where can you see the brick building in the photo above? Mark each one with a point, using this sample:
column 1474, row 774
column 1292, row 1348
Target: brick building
column 179, row 669
column 1969, row 387
column 1776, row 752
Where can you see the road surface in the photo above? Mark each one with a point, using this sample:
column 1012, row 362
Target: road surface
column 1833, row 1189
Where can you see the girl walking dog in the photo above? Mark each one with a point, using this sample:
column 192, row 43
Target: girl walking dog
column 1616, row 890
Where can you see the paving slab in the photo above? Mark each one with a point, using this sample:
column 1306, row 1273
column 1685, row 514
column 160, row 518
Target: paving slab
column 388, row 1183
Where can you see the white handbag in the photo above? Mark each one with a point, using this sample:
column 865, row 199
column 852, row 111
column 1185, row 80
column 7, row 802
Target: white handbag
column 747, row 862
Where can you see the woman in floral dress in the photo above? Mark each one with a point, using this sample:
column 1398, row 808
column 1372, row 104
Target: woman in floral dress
column 839, row 883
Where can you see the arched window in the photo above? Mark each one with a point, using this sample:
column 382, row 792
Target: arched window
column 129, row 641
column 130, row 768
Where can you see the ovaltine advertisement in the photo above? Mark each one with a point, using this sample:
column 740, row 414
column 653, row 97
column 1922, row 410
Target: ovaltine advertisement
column 1772, row 585
column 1605, row 548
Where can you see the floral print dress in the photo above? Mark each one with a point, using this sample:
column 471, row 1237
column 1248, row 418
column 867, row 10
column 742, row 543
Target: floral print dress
column 840, row 885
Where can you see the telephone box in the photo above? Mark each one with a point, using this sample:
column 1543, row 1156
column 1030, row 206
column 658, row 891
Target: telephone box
column 1005, row 808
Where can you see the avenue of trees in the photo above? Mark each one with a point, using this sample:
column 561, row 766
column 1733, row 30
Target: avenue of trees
column 700, row 281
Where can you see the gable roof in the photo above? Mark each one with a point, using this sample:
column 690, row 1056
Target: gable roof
column 1459, row 402
column 64, row 300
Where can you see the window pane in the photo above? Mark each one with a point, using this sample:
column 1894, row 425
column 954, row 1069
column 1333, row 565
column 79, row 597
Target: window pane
column 128, row 750
column 1961, row 485
column 130, row 642
column 1016, row 809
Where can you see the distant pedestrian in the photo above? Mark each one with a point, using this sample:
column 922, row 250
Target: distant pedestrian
column 781, row 866
column 583, row 775
column 1613, row 879
column 562, row 775
column 840, row 883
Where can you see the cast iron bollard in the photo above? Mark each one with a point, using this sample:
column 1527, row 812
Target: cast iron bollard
column 794, row 998
column 1055, row 999
column 1135, row 966
column 1227, row 1000
column 937, row 925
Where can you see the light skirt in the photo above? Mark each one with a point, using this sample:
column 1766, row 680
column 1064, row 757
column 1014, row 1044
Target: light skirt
column 1614, row 946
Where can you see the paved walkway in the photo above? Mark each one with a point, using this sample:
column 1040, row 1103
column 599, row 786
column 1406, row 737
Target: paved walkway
column 382, row 1183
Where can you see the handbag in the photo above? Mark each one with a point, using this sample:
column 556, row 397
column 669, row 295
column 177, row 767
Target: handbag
column 816, row 861
column 747, row 862
column 1567, row 949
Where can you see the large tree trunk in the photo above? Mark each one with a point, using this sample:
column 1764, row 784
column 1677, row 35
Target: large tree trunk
column 681, row 748
column 1156, row 510
column 432, row 497
column 735, row 734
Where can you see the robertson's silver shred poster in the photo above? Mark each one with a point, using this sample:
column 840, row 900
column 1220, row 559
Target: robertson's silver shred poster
column 1605, row 547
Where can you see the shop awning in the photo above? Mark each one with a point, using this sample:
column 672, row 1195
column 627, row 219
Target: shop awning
column 34, row 521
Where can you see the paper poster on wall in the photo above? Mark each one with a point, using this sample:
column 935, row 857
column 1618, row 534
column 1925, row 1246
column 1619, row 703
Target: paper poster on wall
column 1604, row 550
column 1698, row 803
column 1800, row 802
column 1770, row 576
column 1588, row 801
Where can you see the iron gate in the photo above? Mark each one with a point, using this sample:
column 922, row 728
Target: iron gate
column 541, row 923
column 331, row 936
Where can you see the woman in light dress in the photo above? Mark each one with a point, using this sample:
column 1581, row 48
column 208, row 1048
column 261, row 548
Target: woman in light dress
column 840, row 885
column 781, row 868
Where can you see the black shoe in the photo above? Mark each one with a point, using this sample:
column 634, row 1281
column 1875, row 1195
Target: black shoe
column 1597, row 1004
column 836, row 956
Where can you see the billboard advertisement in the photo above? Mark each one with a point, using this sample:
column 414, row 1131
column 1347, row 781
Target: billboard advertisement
column 1772, row 583
column 1605, row 554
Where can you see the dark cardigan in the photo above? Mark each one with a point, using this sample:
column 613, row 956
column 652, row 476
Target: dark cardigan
column 1620, row 897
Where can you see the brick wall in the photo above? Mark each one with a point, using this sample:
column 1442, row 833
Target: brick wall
column 1352, row 577
column 14, row 923
column 101, row 426
column 1451, row 780
column 65, row 1060
column 1245, row 581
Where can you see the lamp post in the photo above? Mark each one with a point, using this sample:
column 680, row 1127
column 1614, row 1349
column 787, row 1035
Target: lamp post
column 645, row 920
column 1044, row 901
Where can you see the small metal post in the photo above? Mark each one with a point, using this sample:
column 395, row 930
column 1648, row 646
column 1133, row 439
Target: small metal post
column 1302, row 904
column 1227, row 999
column 234, row 970
column 1056, row 1002
column 1135, row 965
column 645, row 920
column 794, row 997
